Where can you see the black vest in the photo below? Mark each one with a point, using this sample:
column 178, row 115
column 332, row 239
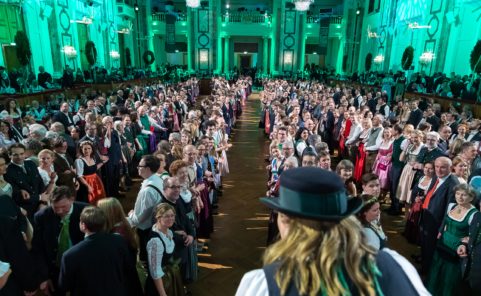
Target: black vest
column 392, row 281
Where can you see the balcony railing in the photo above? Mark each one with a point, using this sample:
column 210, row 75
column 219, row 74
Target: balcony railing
column 246, row 17
column 333, row 19
column 160, row 17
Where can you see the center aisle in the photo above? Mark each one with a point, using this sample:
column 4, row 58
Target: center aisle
column 238, row 242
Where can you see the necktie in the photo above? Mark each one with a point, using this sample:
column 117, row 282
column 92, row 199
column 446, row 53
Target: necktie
column 427, row 199
column 64, row 242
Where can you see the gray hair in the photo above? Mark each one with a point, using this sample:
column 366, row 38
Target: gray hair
column 292, row 161
column 117, row 123
column 38, row 130
column 433, row 134
column 57, row 127
column 175, row 136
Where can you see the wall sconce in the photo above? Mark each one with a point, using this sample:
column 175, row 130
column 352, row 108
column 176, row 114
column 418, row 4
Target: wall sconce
column 203, row 56
column 192, row 3
column 69, row 51
column 288, row 57
column 379, row 59
column 115, row 55
column 426, row 58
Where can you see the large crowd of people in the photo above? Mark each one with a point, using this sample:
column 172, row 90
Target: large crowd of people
column 70, row 161
column 66, row 164
column 421, row 161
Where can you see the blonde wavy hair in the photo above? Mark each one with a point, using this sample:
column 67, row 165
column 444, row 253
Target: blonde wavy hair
column 315, row 253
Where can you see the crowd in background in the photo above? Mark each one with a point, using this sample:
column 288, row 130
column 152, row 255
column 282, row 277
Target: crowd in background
column 423, row 161
column 70, row 161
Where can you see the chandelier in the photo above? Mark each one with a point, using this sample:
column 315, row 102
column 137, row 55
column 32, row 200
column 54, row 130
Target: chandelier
column 302, row 5
column 192, row 3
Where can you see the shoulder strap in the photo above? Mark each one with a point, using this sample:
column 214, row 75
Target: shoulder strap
column 393, row 278
column 156, row 189
column 270, row 271
column 155, row 234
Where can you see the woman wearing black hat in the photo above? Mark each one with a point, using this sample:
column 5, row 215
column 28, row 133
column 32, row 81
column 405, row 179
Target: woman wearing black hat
column 322, row 250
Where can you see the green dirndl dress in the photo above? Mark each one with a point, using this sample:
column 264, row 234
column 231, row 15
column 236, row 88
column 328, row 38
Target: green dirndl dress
column 445, row 272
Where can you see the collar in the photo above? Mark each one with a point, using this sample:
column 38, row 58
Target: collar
column 19, row 165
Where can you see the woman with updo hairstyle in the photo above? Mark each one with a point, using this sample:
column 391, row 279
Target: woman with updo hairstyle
column 369, row 216
column 91, row 186
column 178, row 169
column 163, row 275
column 460, row 169
column 445, row 274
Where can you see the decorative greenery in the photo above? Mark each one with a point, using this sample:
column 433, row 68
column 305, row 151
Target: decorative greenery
column 475, row 59
column 368, row 62
column 23, row 48
column 91, row 52
column 407, row 59
column 148, row 57
column 128, row 58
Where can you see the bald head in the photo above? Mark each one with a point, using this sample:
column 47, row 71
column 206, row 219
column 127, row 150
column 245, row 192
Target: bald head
column 442, row 166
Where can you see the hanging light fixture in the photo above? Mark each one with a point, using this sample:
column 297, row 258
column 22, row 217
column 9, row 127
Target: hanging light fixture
column 192, row 3
column 302, row 5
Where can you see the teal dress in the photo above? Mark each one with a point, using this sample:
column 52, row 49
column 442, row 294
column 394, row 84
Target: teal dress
column 445, row 272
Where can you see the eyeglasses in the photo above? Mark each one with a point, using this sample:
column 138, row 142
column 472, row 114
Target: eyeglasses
column 174, row 187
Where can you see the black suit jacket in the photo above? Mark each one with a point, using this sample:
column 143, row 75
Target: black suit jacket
column 29, row 181
column 61, row 165
column 115, row 150
column 14, row 251
column 99, row 265
column 440, row 199
column 415, row 117
column 46, row 228
column 63, row 119
column 434, row 121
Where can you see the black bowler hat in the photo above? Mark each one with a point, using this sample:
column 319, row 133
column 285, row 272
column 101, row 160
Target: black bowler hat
column 313, row 193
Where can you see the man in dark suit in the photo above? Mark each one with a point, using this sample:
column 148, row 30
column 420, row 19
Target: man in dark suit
column 14, row 251
column 445, row 134
column 182, row 228
column 112, row 142
column 372, row 102
column 416, row 114
column 435, row 204
column 56, row 229
column 91, row 135
column 25, row 179
column 63, row 164
column 64, row 117
column 432, row 119
column 99, row 265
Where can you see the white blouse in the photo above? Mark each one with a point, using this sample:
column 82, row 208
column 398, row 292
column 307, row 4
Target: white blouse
column 46, row 175
column 155, row 251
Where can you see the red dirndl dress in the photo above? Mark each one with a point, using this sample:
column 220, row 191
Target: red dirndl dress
column 359, row 165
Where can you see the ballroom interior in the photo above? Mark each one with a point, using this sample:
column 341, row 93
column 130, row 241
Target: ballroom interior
column 216, row 36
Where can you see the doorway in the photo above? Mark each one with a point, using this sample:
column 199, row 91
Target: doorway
column 245, row 61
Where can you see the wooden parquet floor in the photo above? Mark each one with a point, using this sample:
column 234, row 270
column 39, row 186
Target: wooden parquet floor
column 239, row 239
column 237, row 244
